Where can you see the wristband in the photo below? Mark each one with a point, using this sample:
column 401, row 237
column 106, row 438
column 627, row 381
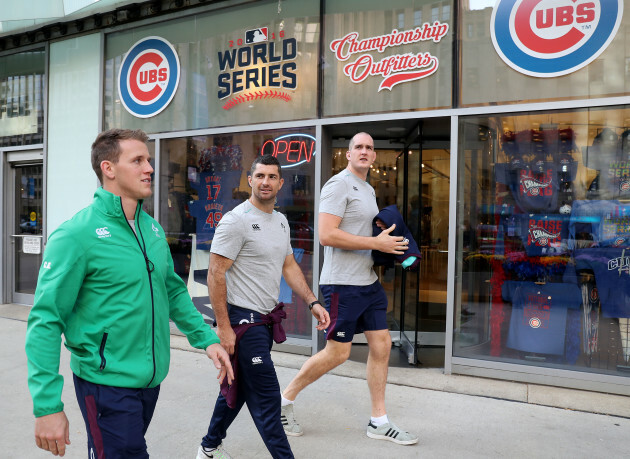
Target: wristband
column 310, row 306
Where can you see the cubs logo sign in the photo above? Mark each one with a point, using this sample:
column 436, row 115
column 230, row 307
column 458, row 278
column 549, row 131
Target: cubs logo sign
column 149, row 76
column 550, row 38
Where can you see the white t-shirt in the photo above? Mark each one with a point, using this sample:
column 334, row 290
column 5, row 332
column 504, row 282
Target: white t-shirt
column 347, row 196
column 258, row 243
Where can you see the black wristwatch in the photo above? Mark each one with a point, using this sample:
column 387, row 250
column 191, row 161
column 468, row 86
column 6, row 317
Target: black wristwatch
column 310, row 306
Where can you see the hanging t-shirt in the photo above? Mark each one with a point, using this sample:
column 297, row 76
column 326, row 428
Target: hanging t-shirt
column 537, row 185
column 611, row 266
column 220, row 173
column 612, row 164
column 605, row 223
column 541, row 235
column 539, row 315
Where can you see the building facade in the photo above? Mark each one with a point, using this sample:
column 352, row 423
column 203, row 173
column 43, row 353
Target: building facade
column 501, row 130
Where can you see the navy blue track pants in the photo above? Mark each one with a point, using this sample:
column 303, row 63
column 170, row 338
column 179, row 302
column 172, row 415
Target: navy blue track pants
column 116, row 418
column 258, row 387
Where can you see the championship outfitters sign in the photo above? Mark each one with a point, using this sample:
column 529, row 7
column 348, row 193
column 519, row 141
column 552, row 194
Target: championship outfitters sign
column 550, row 38
column 149, row 76
column 395, row 68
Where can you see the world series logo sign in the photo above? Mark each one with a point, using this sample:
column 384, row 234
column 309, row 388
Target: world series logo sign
column 149, row 76
column 550, row 38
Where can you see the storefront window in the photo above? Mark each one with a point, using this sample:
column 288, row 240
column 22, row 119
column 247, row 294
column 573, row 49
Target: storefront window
column 204, row 177
column 251, row 65
column 380, row 56
column 560, row 35
column 21, row 98
column 544, row 240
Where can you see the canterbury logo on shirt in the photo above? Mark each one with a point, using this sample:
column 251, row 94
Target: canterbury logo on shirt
column 256, row 227
column 256, row 360
column 103, row 232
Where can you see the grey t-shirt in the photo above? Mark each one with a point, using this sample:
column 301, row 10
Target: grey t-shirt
column 258, row 243
column 347, row 196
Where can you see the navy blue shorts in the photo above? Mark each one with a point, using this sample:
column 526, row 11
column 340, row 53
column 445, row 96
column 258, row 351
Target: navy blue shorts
column 354, row 309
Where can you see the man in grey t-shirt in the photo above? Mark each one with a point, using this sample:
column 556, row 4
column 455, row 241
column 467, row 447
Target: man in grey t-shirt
column 250, row 252
column 354, row 297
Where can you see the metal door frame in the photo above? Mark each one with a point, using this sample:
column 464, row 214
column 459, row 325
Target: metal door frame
column 11, row 160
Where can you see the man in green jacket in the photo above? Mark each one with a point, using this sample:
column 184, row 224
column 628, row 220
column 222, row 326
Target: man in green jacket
column 108, row 285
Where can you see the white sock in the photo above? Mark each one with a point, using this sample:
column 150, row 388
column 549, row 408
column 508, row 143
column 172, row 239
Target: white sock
column 380, row 420
column 286, row 401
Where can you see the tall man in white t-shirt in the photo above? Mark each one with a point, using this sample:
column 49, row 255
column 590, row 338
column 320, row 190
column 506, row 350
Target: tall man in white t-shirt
column 250, row 252
column 354, row 297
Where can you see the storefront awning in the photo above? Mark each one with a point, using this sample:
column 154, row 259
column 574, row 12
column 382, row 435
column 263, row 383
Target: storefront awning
column 16, row 17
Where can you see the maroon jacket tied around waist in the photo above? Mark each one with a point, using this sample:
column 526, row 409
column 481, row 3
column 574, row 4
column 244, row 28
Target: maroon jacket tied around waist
column 274, row 319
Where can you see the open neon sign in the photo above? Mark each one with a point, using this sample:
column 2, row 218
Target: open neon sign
column 291, row 149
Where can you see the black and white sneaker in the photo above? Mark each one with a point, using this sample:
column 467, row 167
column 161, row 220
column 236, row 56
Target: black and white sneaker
column 213, row 453
column 389, row 431
column 291, row 427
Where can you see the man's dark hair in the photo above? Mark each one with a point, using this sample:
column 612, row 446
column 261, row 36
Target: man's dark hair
column 266, row 160
column 106, row 147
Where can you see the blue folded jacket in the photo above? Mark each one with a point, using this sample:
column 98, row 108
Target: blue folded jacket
column 411, row 258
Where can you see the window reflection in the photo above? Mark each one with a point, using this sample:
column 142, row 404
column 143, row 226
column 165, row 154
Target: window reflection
column 204, row 177
column 544, row 238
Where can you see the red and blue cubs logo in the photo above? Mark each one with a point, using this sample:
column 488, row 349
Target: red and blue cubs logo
column 549, row 38
column 149, row 76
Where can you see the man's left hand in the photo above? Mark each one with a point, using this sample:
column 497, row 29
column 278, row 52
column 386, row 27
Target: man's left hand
column 322, row 316
column 221, row 360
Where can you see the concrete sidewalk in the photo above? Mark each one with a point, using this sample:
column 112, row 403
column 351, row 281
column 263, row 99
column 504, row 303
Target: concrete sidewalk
column 333, row 411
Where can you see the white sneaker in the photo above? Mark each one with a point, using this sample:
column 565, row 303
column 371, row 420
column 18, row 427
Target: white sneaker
column 389, row 431
column 291, row 427
column 214, row 453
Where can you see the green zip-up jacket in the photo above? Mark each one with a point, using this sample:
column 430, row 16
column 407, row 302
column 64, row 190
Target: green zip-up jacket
column 110, row 292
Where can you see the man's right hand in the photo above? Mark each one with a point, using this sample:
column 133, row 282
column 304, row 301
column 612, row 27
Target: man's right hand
column 395, row 245
column 52, row 433
column 228, row 338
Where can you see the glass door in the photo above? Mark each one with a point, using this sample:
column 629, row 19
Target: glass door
column 411, row 170
column 423, row 198
column 25, row 244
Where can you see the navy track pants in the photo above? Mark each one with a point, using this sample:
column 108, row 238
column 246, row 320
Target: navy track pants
column 116, row 418
column 258, row 387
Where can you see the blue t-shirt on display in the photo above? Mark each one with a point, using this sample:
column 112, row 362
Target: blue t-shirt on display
column 536, row 187
column 611, row 161
column 607, row 223
column 541, row 235
column 539, row 315
column 611, row 266
column 219, row 174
